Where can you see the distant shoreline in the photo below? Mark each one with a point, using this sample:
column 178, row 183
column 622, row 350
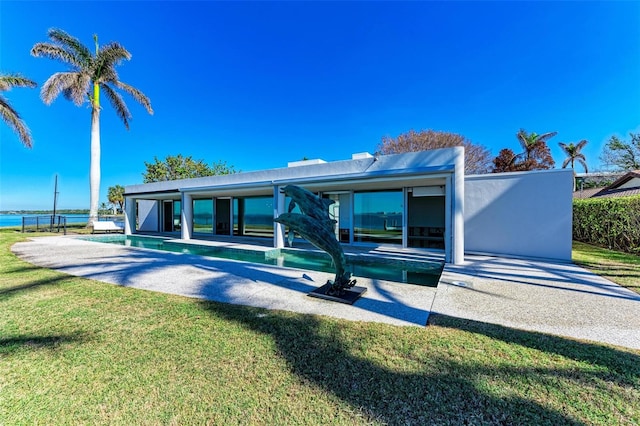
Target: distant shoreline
column 64, row 211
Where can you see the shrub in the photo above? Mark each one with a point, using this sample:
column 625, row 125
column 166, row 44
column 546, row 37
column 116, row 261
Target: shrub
column 613, row 223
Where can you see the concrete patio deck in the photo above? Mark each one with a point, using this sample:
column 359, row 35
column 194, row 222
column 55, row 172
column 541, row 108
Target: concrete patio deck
column 555, row 298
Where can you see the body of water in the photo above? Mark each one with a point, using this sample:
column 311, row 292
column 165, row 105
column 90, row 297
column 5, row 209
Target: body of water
column 16, row 219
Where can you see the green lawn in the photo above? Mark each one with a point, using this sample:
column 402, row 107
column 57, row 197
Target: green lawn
column 621, row 268
column 76, row 351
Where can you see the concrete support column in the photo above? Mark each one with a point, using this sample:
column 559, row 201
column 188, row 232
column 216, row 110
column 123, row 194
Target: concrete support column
column 187, row 216
column 352, row 218
column 278, row 207
column 458, row 208
column 448, row 219
column 405, row 218
column 129, row 215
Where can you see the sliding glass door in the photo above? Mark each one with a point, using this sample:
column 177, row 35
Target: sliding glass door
column 377, row 216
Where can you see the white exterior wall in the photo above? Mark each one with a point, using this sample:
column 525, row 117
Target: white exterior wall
column 526, row 214
column 148, row 215
column 129, row 215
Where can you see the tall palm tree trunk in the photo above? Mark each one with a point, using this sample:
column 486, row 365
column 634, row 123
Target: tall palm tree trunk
column 94, row 169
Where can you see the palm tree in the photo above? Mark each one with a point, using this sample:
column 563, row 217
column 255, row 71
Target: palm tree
column 104, row 208
column 88, row 75
column 115, row 195
column 530, row 142
column 10, row 115
column 573, row 155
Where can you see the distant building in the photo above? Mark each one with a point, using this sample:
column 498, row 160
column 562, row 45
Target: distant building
column 626, row 185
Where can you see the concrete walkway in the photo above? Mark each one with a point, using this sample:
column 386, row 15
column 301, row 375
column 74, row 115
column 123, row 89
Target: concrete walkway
column 559, row 299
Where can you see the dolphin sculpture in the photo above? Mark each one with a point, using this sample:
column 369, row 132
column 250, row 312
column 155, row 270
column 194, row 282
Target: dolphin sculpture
column 310, row 204
column 317, row 233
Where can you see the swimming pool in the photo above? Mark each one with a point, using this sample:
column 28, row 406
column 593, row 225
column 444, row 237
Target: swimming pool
column 424, row 273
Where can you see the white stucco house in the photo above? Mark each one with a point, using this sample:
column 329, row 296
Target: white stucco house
column 418, row 200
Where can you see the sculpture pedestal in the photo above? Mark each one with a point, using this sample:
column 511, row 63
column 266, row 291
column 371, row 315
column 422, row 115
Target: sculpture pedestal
column 349, row 296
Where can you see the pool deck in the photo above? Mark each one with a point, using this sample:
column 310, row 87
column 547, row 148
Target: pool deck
column 553, row 298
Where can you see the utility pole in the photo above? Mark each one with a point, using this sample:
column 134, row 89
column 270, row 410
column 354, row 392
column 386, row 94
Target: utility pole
column 55, row 201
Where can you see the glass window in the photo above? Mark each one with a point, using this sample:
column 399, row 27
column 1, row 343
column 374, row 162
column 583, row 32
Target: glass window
column 237, row 226
column 426, row 219
column 253, row 216
column 378, row 216
column 177, row 215
column 203, row 216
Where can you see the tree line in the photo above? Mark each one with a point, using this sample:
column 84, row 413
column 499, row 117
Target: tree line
column 620, row 154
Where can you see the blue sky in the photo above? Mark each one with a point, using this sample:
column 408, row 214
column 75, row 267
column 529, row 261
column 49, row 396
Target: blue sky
column 258, row 84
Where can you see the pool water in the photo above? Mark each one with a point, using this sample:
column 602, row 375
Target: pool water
column 424, row 273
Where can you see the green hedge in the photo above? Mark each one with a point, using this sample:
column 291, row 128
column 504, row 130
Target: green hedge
column 612, row 223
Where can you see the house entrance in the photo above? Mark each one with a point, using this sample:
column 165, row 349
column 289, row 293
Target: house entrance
column 426, row 217
column 171, row 211
column 223, row 216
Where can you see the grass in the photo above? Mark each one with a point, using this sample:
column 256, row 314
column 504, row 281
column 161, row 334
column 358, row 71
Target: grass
column 621, row 268
column 77, row 351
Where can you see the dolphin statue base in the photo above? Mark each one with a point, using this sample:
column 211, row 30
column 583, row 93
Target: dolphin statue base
column 347, row 296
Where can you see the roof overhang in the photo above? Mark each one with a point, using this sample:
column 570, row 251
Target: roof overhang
column 353, row 181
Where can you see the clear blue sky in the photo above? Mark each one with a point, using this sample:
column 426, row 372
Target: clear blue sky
column 258, row 84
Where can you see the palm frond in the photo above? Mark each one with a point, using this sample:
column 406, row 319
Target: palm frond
column 523, row 138
column 74, row 85
column 118, row 104
column 7, row 81
column 566, row 162
column 137, row 95
column 565, row 148
column 518, row 157
column 13, row 120
column 56, row 52
column 72, row 45
column 78, row 91
column 104, row 73
column 545, row 136
column 584, row 163
column 114, row 53
column 106, row 60
column 581, row 144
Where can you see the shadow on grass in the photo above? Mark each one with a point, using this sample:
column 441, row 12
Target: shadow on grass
column 622, row 366
column 21, row 269
column 441, row 389
column 6, row 292
column 13, row 344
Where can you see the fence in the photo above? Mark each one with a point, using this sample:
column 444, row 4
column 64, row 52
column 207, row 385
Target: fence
column 48, row 223
column 58, row 223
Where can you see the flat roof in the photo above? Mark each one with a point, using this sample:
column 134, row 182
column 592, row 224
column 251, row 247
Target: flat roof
column 410, row 168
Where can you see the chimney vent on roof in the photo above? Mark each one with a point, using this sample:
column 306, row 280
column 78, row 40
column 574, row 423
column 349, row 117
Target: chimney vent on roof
column 361, row 155
column 305, row 162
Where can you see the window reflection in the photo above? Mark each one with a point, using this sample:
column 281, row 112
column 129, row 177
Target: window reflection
column 177, row 215
column 378, row 216
column 253, row 216
column 203, row 215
